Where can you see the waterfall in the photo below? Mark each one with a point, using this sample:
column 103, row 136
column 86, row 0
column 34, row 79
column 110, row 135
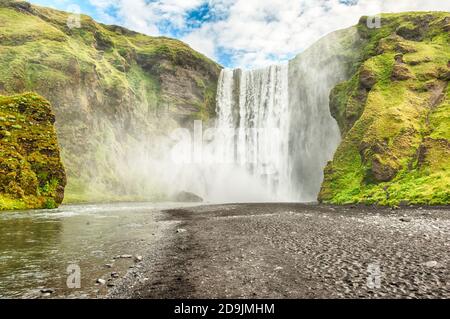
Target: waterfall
column 285, row 132
column 253, row 126
column 273, row 133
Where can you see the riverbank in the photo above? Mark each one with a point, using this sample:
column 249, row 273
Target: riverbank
column 296, row 251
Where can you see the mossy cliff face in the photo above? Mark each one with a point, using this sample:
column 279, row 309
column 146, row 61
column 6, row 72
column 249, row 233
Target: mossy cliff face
column 113, row 92
column 31, row 171
column 394, row 115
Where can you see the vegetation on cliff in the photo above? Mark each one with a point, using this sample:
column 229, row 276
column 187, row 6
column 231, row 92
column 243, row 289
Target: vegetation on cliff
column 31, row 171
column 394, row 115
column 113, row 91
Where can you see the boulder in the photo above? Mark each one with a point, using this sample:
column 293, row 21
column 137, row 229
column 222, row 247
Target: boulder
column 187, row 197
column 401, row 72
column 367, row 79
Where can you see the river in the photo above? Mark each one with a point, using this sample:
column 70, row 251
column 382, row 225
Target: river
column 37, row 247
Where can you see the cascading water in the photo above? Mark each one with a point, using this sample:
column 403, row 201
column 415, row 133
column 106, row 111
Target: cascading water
column 284, row 130
column 253, row 126
column 273, row 134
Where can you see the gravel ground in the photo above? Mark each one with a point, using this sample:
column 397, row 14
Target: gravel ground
column 296, row 251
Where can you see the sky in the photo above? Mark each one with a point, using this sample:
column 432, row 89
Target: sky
column 240, row 33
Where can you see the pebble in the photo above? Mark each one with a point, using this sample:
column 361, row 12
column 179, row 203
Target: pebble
column 181, row 230
column 114, row 275
column 124, row 256
column 138, row 258
column 405, row 219
column 431, row 264
column 47, row 291
column 109, row 265
column 101, row 281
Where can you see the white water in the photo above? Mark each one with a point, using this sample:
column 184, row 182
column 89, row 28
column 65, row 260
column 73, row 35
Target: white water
column 254, row 105
column 271, row 141
column 286, row 134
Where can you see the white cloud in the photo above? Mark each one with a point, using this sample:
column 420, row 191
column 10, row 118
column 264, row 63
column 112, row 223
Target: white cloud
column 255, row 32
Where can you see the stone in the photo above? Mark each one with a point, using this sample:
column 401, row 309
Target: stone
column 401, row 72
column 181, row 230
column 123, row 256
column 187, row 197
column 138, row 258
column 114, row 275
column 382, row 172
column 405, row 219
column 431, row 264
column 101, row 281
column 367, row 79
column 47, row 291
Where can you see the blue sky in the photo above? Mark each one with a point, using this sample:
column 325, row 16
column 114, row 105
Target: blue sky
column 240, row 33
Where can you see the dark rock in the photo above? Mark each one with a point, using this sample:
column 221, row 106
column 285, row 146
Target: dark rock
column 47, row 291
column 367, row 79
column 414, row 34
column 401, row 73
column 187, row 197
column 382, row 172
column 101, row 281
column 399, row 58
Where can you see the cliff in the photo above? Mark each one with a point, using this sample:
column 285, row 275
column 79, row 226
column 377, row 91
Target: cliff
column 31, row 171
column 113, row 90
column 394, row 116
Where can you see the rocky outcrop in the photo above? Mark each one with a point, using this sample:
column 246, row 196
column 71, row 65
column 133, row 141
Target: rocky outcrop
column 394, row 115
column 31, row 171
column 115, row 93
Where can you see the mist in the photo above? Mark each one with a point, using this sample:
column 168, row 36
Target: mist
column 270, row 141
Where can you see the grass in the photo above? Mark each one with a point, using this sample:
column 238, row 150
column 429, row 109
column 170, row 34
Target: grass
column 99, row 78
column 396, row 145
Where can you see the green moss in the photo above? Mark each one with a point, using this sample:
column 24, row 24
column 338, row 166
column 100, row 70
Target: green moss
column 396, row 145
column 95, row 77
column 31, row 172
